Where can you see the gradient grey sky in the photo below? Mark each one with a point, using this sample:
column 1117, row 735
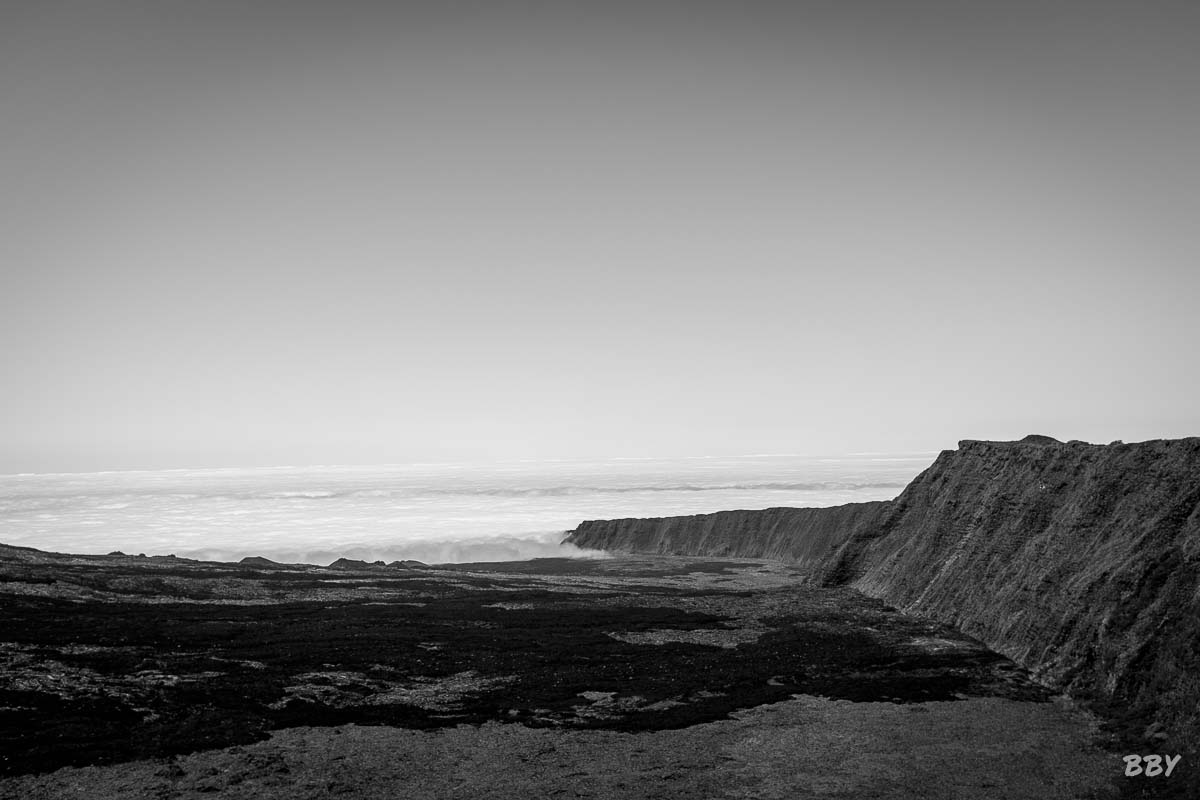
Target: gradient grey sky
column 241, row 233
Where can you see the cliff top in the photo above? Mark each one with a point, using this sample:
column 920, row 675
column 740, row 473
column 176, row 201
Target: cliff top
column 1038, row 440
column 1033, row 438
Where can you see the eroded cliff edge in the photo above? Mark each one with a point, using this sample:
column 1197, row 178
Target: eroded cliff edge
column 1080, row 561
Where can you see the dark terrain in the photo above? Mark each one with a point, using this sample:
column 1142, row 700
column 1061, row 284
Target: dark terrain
column 1079, row 561
column 116, row 658
column 844, row 666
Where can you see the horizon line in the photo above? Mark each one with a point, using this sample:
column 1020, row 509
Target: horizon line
column 380, row 465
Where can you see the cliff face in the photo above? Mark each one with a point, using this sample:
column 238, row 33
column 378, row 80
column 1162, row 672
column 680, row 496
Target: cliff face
column 1080, row 561
column 804, row 536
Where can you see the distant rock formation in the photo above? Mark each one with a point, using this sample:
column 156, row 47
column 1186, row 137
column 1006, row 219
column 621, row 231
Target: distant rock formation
column 1080, row 561
column 259, row 561
column 1037, row 438
column 805, row 536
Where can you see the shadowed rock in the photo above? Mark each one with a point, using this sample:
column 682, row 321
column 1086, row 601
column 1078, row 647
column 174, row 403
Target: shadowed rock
column 259, row 561
column 1079, row 561
column 354, row 563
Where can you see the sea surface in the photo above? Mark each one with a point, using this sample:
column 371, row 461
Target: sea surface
column 434, row 513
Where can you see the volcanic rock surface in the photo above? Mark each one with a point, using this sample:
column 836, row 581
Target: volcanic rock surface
column 1079, row 561
column 628, row 677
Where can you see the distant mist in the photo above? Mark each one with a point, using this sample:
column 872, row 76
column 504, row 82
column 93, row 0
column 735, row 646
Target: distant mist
column 461, row 551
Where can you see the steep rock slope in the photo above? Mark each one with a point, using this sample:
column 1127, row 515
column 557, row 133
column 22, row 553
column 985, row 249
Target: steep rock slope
column 809, row 537
column 1080, row 561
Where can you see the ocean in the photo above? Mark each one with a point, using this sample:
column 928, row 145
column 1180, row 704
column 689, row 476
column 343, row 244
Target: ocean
column 436, row 513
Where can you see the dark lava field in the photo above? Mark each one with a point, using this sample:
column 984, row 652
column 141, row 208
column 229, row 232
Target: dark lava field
column 107, row 659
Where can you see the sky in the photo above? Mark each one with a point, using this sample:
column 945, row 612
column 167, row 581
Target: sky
column 264, row 233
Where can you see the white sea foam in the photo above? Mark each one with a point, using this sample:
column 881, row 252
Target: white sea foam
column 427, row 512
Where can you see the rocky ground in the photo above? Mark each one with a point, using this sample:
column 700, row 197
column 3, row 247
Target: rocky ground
column 627, row 677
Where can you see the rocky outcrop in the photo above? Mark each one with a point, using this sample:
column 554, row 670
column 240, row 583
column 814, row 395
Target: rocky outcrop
column 259, row 561
column 805, row 536
column 356, row 563
column 1080, row 561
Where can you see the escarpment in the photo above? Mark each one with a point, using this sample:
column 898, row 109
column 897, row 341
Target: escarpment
column 804, row 536
column 1080, row 561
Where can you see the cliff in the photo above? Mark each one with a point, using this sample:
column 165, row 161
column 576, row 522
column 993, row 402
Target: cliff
column 1080, row 561
column 805, row 536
